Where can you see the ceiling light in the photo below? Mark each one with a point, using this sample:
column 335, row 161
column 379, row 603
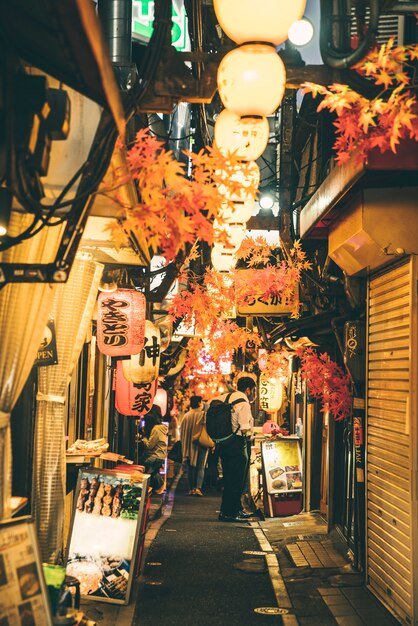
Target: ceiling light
column 266, row 201
column 5, row 210
column 301, row 32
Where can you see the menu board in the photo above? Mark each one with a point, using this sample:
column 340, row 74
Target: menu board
column 108, row 511
column 23, row 595
column 282, row 464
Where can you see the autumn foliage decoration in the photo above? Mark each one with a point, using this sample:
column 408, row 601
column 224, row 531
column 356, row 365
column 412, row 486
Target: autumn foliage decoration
column 381, row 122
column 326, row 381
column 273, row 275
column 176, row 209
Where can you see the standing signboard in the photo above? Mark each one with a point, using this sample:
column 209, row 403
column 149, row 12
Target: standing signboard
column 104, row 537
column 282, row 476
column 24, row 597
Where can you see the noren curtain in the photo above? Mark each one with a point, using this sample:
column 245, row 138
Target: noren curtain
column 24, row 310
column 72, row 312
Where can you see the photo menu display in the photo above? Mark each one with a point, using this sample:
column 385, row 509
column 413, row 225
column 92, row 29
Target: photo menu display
column 104, row 535
column 23, row 595
column 282, row 465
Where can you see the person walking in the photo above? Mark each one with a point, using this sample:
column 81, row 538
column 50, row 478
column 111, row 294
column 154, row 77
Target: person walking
column 234, row 452
column 194, row 455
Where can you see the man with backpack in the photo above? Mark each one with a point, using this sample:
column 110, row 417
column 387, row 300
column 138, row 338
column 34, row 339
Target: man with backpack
column 229, row 422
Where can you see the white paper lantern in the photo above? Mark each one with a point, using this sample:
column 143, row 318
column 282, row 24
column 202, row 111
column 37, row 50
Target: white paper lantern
column 223, row 259
column 266, row 20
column 240, row 211
column 270, row 393
column 144, row 367
column 246, row 137
column 245, row 176
column 251, row 80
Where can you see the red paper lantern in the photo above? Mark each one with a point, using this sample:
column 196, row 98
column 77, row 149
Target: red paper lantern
column 133, row 399
column 161, row 400
column 121, row 322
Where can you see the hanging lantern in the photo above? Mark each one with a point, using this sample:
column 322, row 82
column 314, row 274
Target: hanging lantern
column 121, row 322
column 161, row 400
column 239, row 211
column 251, row 80
column 271, row 393
column 177, row 367
column 268, row 20
column 223, row 259
column 133, row 400
column 245, row 179
column 144, row 367
column 247, row 137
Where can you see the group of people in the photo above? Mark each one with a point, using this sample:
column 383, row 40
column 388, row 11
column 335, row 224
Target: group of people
column 234, row 454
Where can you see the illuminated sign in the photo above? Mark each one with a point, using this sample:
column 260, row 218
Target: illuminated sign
column 143, row 18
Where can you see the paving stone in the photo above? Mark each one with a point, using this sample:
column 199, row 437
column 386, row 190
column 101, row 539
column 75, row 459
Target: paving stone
column 349, row 621
column 343, row 611
column 329, row 591
column 337, row 601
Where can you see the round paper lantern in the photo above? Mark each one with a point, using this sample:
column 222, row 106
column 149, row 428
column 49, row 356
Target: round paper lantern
column 223, row 259
column 121, row 322
column 270, row 393
column 177, row 367
column 144, row 367
column 244, row 177
column 268, row 20
column 161, row 400
column 240, row 211
column 134, row 400
column 251, row 80
column 247, row 137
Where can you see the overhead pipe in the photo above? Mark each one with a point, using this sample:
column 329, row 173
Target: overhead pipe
column 344, row 60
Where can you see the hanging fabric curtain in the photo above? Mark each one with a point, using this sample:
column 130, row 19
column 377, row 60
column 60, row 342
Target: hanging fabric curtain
column 72, row 311
column 24, row 311
column 144, row 367
column 121, row 322
column 133, row 400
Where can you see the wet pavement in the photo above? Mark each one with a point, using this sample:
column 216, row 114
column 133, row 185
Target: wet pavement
column 201, row 572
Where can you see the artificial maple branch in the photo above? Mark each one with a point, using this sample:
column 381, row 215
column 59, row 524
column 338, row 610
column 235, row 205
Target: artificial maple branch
column 363, row 124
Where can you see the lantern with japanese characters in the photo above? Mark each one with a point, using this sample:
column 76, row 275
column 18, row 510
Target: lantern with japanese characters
column 121, row 322
column 271, row 393
column 144, row 367
column 133, row 399
column 161, row 400
column 166, row 332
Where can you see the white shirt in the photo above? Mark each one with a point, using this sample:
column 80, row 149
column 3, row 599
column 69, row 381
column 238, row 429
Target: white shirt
column 241, row 412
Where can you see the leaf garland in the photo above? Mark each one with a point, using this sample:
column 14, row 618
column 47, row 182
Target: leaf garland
column 176, row 210
column 326, row 381
column 382, row 122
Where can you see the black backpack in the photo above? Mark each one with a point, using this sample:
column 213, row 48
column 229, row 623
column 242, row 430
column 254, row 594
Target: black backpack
column 218, row 419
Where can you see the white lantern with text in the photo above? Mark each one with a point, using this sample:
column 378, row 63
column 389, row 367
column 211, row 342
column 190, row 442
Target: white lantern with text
column 238, row 211
column 144, row 367
column 251, row 80
column 241, row 183
column 246, row 137
column 271, row 393
column 266, row 20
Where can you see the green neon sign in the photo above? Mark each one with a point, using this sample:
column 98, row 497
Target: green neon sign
column 143, row 22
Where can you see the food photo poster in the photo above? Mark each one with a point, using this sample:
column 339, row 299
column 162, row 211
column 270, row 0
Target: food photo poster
column 23, row 594
column 282, row 463
column 103, row 543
